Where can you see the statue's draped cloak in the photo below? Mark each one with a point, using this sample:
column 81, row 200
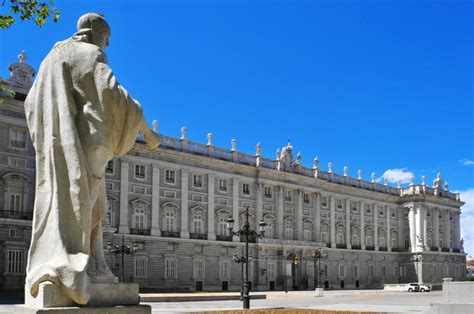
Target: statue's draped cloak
column 79, row 118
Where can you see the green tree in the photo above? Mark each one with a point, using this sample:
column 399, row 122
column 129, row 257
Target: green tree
column 25, row 10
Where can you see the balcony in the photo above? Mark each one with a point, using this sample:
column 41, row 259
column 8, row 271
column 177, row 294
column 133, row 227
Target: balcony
column 139, row 231
column 382, row 248
column 16, row 215
column 227, row 238
column 370, row 248
column 433, row 248
column 341, row 246
column 445, row 249
column 356, row 247
column 198, row 236
column 456, row 250
column 170, row 234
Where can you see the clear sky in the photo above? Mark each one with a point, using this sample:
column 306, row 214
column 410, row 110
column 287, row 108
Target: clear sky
column 382, row 86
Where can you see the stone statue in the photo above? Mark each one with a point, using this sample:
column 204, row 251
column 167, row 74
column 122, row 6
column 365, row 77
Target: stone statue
column 438, row 182
column 79, row 118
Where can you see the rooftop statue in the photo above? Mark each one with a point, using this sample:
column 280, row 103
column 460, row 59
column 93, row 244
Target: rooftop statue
column 79, row 118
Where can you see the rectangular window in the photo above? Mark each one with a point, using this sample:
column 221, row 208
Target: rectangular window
column 407, row 243
column 268, row 192
column 15, row 262
column 199, row 268
column 224, row 270
column 342, row 271
column 14, row 233
column 140, row 172
column 16, row 162
column 395, row 271
column 110, row 167
column 222, row 185
column 339, row 204
column 384, row 272
column 288, row 195
column 324, row 201
column 306, row 198
column 310, row 269
column 141, row 267
column 271, row 270
column 197, row 181
column 354, row 207
column 171, row 268
column 15, row 203
column 170, row 176
column 17, row 139
column 246, row 189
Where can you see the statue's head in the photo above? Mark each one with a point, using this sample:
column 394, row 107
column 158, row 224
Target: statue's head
column 97, row 29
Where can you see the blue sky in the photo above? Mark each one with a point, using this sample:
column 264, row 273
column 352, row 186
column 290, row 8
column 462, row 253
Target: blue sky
column 372, row 85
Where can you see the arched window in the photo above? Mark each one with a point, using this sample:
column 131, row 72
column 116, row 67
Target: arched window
column 109, row 219
column 222, row 216
column 369, row 237
column 16, row 189
column 382, row 238
column 355, row 239
column 394, row 239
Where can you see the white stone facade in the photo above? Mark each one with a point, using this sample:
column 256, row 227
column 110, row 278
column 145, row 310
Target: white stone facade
column 174, row 202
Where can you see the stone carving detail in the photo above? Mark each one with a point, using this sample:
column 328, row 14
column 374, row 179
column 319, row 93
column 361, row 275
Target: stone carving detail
column 21, row 73
column 285, row 158
column 438, row 182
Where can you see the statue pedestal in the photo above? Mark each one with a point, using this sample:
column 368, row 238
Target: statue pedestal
column 105, row 298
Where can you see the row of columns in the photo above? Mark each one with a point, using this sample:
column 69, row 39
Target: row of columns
column 417, row 214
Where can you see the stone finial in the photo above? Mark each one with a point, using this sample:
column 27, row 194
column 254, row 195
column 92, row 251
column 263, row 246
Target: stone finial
column 184, row 131
column 359, row 174
column 316, row 163
column 372, row 177
column 398, row 184
column 446, row 187
column 209, row 139
column 155, row 126
column 345, row 170
column 233, row 143
column 289, row 147
column 258, row 149
column 22, row 56
column 423, row 180
column 278, row 152
column 330, row 167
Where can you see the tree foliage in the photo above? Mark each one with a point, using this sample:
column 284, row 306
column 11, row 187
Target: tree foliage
column 37, row 11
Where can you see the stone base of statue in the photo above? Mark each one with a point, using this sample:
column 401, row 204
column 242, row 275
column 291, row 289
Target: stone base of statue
column 105, row 298
column 319, row 292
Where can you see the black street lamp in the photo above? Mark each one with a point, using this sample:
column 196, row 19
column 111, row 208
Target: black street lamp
column 246, row 232
column 129, row 250
column 317, row 255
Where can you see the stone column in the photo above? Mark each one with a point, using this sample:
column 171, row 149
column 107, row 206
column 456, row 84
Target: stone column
column 211, row 234
column 184, row 205
column 447, row 230
column 348, row 223
column 235, row 206
column 436, row 229
column 424, row 224
column 389, row 236
column 332, row 203
column 376, row 226
column 259, row 209
column 279, row 213
column 362, row 224
column 317, row 218
column 124, row 172
column 457, row 229
column 418, row 228
column 155, row 201
column 299, row 215
column 412, row 225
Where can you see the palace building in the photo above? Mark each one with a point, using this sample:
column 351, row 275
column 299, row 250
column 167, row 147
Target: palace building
column 174, row 202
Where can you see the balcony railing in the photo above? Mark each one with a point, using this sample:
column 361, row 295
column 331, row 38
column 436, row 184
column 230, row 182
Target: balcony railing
column 383, row 249
column 456, row 250
column 198, row 236
column 227, row 238
column 16, row 215
column 341, row 246
column 433, row 248
column 170, row 234
column 370, row 248
column 251, row 239
column 140, row 231
column 356, row 247
column 445, row 249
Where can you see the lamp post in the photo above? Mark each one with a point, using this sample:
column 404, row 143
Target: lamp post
column 317, row 255
column 246, row 232
column 128, row 250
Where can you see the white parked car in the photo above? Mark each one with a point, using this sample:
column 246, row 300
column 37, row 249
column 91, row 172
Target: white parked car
column 424, row 288
column 418, row 287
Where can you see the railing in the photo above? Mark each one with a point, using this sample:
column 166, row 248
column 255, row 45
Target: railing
column 16, row 215
column 356, row 247
column 383, row 249
column 227, row 238
column 456, row 250
column 251, row 239
column 433, row 248
column 198, row 236
column 140, row 231
column 170, row 234
column 341, row 246
column 370, row 248
column 251, row 160
column 444, row 249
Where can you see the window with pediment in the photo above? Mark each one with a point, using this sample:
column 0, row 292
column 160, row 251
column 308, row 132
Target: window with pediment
column 139, row 214
column 325, row 233
column 289, row 229
column 17, row 139
column 16, row 186
column 270, row 227
column 198, row 216
column 382, row 238
column 355, row 240
column 222, row 216
column 170, row 217
column 268, row 192
column 222, row 185
column 340, row 234
column 307, row 230
column 324, row 201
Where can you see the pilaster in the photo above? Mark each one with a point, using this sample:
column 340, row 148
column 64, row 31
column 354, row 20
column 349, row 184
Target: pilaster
column 412, row 225
column 280, row 213
column 211, row 234
column 124, row 173
column 332, row 203
column 362, row 224
column 389, row 235
column 235, row 205
column 299, row 215
column 348, row 223
column 376, row 226
column 184, row 204
column 317, row 218
column 447, row 230
column 155, row 201
column 457, row 230
column 436, row 229
column 259, row 204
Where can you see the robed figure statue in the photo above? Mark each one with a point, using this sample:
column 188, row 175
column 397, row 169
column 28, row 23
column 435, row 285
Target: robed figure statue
column 79, row 118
